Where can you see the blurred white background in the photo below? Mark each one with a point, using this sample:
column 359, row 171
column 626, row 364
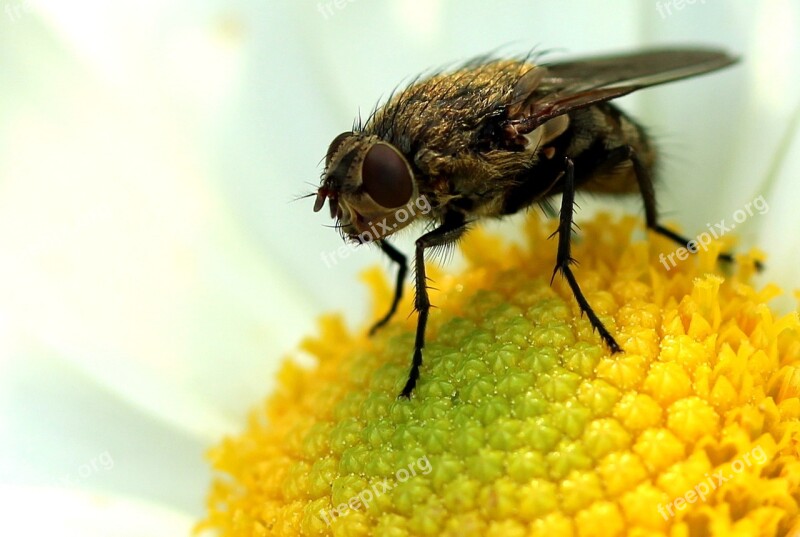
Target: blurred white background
column 154, row 268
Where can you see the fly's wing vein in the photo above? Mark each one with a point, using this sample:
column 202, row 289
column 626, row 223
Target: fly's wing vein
column 551, row 90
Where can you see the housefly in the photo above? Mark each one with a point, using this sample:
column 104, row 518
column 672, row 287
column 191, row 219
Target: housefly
column 491, row 138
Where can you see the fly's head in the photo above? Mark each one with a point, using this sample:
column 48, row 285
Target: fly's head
column 369, row 185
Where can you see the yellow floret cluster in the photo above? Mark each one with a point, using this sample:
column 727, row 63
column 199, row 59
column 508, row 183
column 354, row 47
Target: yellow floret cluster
column 523, row 423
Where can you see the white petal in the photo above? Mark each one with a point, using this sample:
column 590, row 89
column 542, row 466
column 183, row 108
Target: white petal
column 725, row 136
column 59, row 427
column 116, row 249
column 779, row 236
column 719, row 134
column 71, row 513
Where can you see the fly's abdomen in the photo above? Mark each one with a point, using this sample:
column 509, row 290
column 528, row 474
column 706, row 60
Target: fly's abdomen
column 598, row 166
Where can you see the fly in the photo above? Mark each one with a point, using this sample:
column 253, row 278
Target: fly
column 490, row 139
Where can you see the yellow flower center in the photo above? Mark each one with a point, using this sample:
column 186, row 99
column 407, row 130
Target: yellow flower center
column 522, row 422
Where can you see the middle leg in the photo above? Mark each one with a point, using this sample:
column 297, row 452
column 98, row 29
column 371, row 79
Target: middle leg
column 564, row 258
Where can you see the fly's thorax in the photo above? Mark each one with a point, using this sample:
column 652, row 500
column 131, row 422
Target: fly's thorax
column 536, row 141
column 370, row 187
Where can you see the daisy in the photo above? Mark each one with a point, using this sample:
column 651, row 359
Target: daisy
column 154, row 271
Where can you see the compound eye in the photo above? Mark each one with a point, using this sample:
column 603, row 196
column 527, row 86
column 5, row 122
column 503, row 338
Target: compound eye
column 335, row 146
column 386, row 176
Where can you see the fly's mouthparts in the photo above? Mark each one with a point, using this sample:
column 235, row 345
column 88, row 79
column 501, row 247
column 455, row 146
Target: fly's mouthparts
column 320, row 201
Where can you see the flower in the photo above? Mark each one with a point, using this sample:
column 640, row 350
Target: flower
column 523, row 423
column 152, row 268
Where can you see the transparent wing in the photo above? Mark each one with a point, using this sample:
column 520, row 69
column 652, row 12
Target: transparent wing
column 551, row 90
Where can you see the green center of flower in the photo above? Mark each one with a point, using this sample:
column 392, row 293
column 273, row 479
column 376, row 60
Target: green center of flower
column 522, row 422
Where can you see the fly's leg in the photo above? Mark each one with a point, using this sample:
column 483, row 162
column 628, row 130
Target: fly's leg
column 398, row 258
column 647, row 190
column 564, row 258
column 451, row 229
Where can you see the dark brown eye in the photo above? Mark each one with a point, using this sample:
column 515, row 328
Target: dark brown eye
column 335, row 145
column 386, row 176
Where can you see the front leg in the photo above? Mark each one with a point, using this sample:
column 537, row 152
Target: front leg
column 564, row 258
column 448, row 232
column 400, row 260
